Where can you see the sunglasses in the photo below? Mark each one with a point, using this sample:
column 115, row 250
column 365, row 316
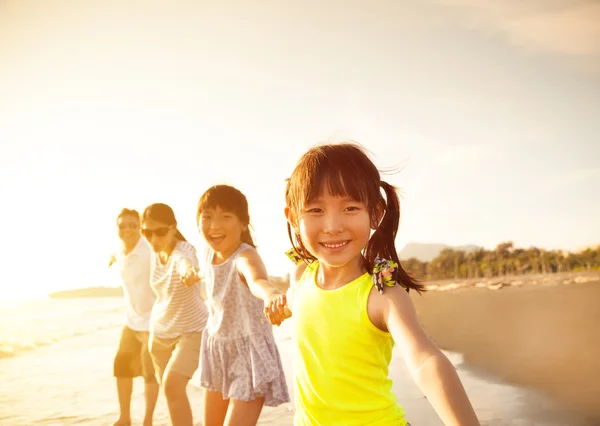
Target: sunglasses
column 159, row 232
column 123, row 226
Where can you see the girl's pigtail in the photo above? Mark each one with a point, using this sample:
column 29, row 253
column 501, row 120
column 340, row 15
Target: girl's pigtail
column 298, row 252
column 382, row 244
column 247, row 237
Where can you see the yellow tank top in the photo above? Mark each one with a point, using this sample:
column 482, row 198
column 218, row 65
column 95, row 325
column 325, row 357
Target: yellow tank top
column 341, row 359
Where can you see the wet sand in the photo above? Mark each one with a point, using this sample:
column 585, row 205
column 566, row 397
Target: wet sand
column 541, row 332
column 70, row 383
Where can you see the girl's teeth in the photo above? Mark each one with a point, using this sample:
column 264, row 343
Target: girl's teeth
column 335, row 245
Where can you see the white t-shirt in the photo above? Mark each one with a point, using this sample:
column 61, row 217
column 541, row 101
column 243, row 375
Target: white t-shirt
column 134, row 268
column 178, row 309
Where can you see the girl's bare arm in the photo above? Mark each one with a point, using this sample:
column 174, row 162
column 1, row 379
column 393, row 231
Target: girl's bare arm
column 251, row 267
column 429, row 367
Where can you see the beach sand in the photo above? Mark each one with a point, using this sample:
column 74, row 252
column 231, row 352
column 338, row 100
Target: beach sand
column 541, row 332
column 70, row 383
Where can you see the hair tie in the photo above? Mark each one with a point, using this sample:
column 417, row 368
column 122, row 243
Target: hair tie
column 293, row 255
column 382, row 273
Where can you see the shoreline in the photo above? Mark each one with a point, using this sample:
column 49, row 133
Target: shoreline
column 51, row 381
column 498, row 283
column 527, row 354
column 543, row 336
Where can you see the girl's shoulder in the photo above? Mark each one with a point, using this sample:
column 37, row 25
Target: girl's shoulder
column 297, row 277
column 298, row 273
column 185, row 249
column 246, row 254
column 245, row 248
column 299, row 268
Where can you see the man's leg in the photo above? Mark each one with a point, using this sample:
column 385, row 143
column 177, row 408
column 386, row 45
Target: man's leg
column 151, row 384
column 126, row 359
column 124, row 390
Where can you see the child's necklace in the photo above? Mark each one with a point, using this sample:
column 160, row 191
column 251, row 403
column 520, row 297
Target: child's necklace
column 163, row 257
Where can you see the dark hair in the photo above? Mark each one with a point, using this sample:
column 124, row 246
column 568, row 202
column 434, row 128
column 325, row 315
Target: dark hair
column 162, row 213
column 231, row 200
column 129, row 212
column 346, row 170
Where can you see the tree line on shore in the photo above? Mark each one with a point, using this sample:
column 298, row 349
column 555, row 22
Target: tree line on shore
column 504, row 260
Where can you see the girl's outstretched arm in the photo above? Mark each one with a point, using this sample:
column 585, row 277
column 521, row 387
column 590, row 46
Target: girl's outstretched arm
column 252, row 269
column 429, row 367
column 281, row 309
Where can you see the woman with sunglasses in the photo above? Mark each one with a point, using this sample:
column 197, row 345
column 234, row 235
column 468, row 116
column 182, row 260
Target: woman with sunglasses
column 179, row 313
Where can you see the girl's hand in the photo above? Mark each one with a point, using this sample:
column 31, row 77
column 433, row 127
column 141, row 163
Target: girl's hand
column 190, row 278
column 276, row 309
column 189, row 274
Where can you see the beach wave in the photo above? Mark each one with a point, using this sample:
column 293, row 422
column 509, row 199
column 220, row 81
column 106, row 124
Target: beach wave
column 11, row 349
column 30, row 325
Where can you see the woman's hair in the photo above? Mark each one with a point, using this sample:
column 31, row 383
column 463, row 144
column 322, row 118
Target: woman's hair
column 164, row 214
column 345, row 170
column 231, row 200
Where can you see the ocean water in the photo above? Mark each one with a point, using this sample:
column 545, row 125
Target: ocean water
column 26, row 325
column 56, row 370
column 56, row 366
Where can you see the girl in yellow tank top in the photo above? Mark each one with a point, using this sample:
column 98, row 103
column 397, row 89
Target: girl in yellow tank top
column 347, row 311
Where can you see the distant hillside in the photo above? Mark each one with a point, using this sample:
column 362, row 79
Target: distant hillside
column 428, row 252
column 88, row 292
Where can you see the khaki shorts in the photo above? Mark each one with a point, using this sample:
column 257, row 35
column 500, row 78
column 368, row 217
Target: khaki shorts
column 133, row 358
column 181, row 354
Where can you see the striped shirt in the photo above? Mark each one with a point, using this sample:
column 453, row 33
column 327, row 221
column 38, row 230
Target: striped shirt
column 178, row 309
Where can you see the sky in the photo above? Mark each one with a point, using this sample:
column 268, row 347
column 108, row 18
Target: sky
column 491, row 111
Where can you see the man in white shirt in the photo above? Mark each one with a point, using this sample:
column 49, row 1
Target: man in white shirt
column 133, row 358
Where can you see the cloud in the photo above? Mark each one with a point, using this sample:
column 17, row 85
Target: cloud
column 560, row 27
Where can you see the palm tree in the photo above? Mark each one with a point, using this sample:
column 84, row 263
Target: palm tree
column 503, row 251
column 533, row 253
